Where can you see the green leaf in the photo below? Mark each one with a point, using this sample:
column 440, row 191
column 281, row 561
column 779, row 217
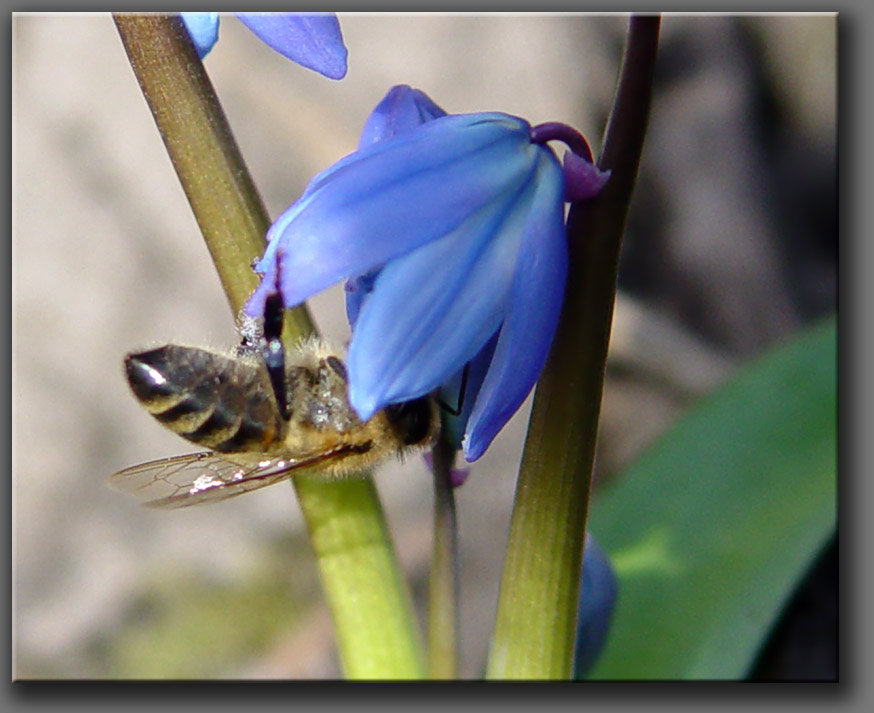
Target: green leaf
column 710, row 531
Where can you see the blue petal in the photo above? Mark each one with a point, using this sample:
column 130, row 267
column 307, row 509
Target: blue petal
column 203, row 28
column 476, row 128
column 313, row 41
column 403, row 108
column 268, row 268
column 598, row 590
column 394, row 197
column 451, row 393
column 532, row 314
column 357, row 289
column 466, row 119
column 433, row 309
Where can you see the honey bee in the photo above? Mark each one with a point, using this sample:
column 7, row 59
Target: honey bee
column 263, row 421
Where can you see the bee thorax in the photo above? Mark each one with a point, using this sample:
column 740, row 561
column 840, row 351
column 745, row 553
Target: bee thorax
column 319, row 397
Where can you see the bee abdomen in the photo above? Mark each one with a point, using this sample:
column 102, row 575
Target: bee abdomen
column 209, row 399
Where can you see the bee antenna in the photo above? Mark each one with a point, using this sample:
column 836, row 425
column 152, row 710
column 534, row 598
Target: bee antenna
column 274, row 352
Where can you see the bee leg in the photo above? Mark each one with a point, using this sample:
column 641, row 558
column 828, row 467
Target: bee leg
column 274, row 353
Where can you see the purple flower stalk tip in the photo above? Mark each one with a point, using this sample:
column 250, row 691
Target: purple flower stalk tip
column 582, row 179
column 457, row 476
column 311, row 40
column 450, row 232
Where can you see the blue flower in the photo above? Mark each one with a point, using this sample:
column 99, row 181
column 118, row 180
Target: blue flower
column 313, row 41
column 450, row 230
column 598, row 590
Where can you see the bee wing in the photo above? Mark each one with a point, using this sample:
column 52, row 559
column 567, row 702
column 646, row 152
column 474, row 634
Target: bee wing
column 194, row 478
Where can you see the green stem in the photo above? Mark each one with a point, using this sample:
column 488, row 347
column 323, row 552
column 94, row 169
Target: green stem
column 377, row 634
column 209, row 165
column 443, row 584
column 536, row 619
column 373, row 615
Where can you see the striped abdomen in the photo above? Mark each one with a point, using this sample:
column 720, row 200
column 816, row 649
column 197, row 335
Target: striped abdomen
column 221, row 403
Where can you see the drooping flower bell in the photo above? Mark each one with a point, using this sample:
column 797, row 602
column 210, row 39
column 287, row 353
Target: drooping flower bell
column 450, row 230
column 311, row 40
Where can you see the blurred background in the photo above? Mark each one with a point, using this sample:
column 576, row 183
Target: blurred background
column 731, row 247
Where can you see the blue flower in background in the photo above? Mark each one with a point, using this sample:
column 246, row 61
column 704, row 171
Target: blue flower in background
column 313, row 41
column 598, row 590
column 450, row 230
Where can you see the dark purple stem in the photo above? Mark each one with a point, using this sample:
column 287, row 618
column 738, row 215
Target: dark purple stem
column 556, row 131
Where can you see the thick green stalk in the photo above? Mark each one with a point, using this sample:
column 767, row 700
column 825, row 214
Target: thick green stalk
column 211, row 169
column 377, row 634
column 373, row 616
column 536, row 618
